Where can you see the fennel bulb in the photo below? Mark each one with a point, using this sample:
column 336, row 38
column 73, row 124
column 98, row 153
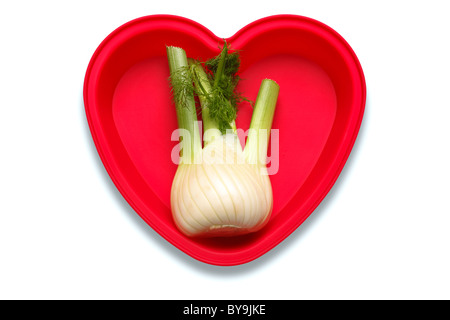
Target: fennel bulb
column 220, row 188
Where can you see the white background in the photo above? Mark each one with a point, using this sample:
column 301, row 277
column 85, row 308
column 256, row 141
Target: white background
column 383, row 232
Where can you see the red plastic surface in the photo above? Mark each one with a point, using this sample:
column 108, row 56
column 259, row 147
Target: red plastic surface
column 319, row 112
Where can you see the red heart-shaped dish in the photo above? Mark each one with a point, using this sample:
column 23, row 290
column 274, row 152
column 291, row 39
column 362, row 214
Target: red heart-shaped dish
column 318, row 114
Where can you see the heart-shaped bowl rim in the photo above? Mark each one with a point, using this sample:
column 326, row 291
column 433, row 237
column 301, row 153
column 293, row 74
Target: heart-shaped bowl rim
column 303, row 206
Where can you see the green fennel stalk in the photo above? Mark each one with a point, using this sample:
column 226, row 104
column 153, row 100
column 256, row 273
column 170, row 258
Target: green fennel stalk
column 184, row 103
column 215, row 87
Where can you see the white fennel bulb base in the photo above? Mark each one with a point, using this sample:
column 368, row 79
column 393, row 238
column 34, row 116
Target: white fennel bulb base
column 223, row 194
